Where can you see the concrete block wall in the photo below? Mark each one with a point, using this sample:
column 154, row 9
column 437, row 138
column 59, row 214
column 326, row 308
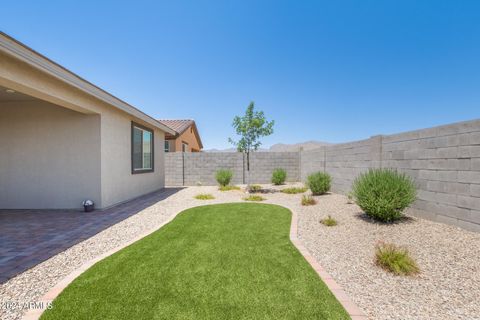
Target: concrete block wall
column 200, row 167
column 344, row 162
column 445, row 164
column 311, row 161
column 262, row 165
column 173, row 169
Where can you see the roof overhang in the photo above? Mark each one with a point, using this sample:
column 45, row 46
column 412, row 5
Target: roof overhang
column 198, row 135
column 31, row 57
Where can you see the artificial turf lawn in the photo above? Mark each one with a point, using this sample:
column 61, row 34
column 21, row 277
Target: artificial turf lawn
column 224, row 261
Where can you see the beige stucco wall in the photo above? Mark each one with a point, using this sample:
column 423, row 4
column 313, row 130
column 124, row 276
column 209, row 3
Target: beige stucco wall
column 118, row 183
column 112, row 138
column 49, row 156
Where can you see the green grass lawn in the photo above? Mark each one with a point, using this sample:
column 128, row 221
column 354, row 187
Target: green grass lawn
column 226, row 261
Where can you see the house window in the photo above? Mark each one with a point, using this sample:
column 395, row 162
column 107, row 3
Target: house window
column 184, row 147
column 142, row 149
column 167, row 146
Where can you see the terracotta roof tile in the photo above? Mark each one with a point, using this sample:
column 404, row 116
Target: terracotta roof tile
column 178, row 125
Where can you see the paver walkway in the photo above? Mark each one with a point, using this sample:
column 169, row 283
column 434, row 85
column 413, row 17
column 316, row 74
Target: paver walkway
column 29, row 237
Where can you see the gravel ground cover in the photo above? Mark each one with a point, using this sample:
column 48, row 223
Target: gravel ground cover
column 446, row 288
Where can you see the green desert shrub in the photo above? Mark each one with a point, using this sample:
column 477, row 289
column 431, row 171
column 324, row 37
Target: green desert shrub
column 254, row 188
column 383, row 194
column 395, row 259
column 254, row 198
column 228, row 188
column 350, row 198
column 308, row 201
column 224, row 177
column 294, row 190
column 319, row 183
column 204, row 196
column 329, row 221
column 279, row 176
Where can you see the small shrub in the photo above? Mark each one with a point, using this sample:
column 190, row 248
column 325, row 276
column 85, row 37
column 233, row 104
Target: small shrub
column 384, row 193
column 254, row 198
column 350, row 198
column 279, row 176
column 254, row 188
column 204, row 196
column 395, row 259
column 228, row 188
column 319, row 183
column 329, row 221
column 224, row 177
column 308, row 201
column 294, row 190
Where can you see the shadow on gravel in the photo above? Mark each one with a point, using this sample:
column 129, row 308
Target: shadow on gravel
column 403, row 220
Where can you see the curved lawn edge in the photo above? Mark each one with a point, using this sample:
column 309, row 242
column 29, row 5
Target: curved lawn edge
column 353, row 311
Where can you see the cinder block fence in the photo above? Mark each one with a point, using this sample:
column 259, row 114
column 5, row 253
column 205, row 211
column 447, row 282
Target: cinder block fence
column 444, row 161
column 199, row 168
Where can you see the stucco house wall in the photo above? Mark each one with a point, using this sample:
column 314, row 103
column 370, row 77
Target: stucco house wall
column 77, row 115
column 49, row 156
column 118, row 183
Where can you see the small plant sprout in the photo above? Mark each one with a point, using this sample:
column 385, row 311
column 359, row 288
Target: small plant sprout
column 350, row 198
column 254, row 198
column 308, row 200
column 204, row 196
column 228, row 188
column 254, row 188
column 294, row 190
column 329, row 221
column 395, row 259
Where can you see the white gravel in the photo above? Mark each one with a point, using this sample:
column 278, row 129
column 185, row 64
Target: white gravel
column 448, row 286
column 449, row 258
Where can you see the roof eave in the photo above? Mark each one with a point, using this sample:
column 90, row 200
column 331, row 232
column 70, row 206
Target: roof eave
column 198, row 135
column 24, row 53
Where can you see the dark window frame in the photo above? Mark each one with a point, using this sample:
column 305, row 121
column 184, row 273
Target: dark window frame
column 184, row 144
column 139, row 126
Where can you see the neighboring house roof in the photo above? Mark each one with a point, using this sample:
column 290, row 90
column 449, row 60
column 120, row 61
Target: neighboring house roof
column 180, row 126
column 22, row 52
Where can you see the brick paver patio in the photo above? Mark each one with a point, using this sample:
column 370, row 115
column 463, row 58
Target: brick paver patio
column 29, row 237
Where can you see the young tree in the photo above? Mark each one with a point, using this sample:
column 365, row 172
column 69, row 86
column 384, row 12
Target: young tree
column 251, row 127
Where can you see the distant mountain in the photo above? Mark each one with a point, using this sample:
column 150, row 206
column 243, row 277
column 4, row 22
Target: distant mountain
column 232, row 150
column 308, row 145
column 221, row 150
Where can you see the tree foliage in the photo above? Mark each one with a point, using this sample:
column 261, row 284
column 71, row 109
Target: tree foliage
column 251, row 127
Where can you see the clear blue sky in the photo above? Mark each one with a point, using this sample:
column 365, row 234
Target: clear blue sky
column 324, row 70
